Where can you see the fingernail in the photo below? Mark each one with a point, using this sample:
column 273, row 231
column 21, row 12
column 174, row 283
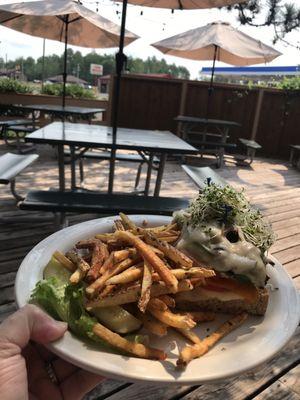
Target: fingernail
column 62, row 324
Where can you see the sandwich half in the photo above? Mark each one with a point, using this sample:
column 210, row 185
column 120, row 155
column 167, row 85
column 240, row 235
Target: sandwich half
column 220, row 230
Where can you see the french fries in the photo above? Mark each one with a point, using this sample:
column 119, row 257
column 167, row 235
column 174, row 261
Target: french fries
column 129, row 275
column 68, row 264
column 158, row 265
column 82, row 267
column 99, row 255
column 170, row 251
column 140, row 269
column 183, row 321
column 132, row 295
column 146, row 287
column 121, row 343
column 190, row 335
column 191, row 352
column 152, row 324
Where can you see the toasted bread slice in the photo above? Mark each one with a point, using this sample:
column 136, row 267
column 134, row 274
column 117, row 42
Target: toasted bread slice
column 226, row 302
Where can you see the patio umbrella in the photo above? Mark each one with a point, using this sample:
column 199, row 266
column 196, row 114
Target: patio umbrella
column 217, row 41
column 63, row 20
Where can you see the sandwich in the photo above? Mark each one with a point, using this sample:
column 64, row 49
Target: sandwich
column 222, row 231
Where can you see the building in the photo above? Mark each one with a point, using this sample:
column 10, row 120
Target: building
column 70, row 79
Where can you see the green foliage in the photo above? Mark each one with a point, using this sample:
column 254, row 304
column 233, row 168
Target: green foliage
column 8, row 85
column 290, row 83
column 282, row 16
column 75, row 91
column 79, row 65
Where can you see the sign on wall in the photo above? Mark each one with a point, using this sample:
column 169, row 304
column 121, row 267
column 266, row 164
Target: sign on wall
column 96, row 69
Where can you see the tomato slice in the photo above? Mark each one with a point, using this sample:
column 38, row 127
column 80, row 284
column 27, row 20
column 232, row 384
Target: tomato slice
column 246, row 290
column 215, row 288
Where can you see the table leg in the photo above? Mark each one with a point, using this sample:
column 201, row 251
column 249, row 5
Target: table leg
column 162, row 162
column 148, row 177
column 111, row 171
column 61, row 167
column 73, row 170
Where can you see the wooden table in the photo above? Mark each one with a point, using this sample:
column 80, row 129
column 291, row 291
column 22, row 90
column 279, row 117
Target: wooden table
column 60, row 111
column 191, row 127
column 154, row 143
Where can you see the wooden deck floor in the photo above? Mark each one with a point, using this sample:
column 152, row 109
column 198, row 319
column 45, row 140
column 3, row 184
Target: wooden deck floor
column 271, row 185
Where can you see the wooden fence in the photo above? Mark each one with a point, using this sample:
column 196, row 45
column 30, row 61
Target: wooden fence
column 269, row 116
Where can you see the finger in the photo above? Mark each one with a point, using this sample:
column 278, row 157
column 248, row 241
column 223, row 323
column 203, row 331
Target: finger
column 78, row 384
column 30, row 322
column 63, row 369
column 44, row 353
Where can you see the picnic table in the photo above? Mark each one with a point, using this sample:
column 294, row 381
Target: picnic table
column 197, row 131
column 59, row 111
column 154, row 143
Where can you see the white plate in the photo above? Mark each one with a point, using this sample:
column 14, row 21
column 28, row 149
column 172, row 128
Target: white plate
column 258, row 340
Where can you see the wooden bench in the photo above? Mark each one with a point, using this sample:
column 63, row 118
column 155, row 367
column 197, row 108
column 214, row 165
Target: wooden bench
column 10, row 166
column 105, row 156
column 250, row 147
column 216, row 148
column 295, row 155
column 84, row 202
column 19, row 131
column 201, row 175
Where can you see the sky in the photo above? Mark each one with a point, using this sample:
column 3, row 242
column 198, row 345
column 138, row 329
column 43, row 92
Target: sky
column 153, row 25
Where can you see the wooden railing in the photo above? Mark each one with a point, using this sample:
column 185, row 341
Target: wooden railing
column 24, row 99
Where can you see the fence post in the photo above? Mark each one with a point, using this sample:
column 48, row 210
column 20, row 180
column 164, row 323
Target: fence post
column 183, row 93
column 257, row 113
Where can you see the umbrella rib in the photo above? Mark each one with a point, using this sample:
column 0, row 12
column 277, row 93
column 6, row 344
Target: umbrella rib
column 11, row 18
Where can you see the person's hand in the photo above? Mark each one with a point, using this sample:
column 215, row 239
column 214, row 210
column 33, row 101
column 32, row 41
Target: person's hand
column 28, row 370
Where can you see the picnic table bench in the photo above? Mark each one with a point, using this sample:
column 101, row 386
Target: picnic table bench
column 295, row 155
column 201, row 175
column 251, row 147
column 20, row 130
column 102, row 203
column 139, row 158
column 12, row 165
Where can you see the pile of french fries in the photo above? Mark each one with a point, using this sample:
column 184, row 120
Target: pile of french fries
column 140, row 268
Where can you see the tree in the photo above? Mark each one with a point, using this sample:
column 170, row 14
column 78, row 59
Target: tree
column 283, row 17
column 77, row 64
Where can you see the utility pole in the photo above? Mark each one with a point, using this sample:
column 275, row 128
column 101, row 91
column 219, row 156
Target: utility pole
column 43, row 64
column 78, row 69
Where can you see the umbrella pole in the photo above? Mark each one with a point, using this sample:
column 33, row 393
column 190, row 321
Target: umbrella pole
column 65, row 61
column 120, row 61
column 211, row 84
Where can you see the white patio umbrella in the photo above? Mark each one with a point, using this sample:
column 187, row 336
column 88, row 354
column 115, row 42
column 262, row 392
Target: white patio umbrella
column 63, row 20
column 217, row 41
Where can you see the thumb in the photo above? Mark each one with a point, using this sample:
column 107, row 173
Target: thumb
column 31, row 323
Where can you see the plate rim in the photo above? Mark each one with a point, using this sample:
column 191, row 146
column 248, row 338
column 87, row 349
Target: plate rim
column 131, row 375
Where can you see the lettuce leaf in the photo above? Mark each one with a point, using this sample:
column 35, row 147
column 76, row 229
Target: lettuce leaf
column 50, row 295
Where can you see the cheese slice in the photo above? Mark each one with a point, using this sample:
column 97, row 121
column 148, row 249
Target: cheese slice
column 247, row 291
